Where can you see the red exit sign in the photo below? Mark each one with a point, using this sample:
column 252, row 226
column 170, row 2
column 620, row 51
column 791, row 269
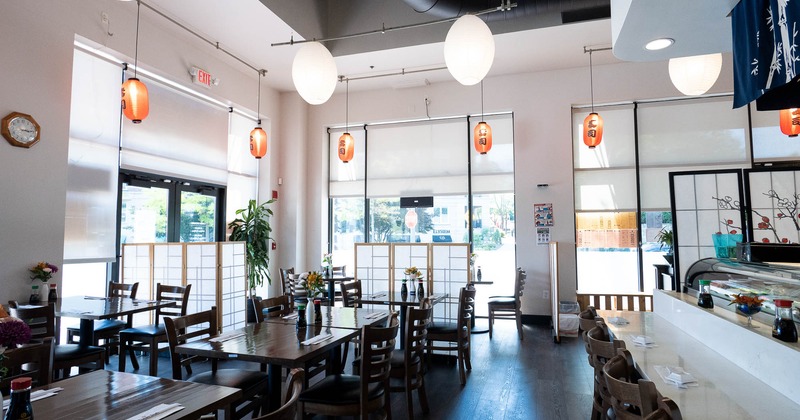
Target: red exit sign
column 202, row 77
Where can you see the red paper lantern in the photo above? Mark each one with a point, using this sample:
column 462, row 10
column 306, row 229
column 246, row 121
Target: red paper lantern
column 411, row 219
column 258, row 142
column 592, row 130
column 135, row 102
column 345, row 147
column 483, row 137
column 790, row 121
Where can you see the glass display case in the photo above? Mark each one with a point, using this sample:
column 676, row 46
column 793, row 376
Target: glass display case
column 729, row 277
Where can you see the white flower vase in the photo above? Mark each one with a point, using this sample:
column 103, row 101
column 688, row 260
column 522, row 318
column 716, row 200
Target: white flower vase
column 412, row 289
column 44, row 293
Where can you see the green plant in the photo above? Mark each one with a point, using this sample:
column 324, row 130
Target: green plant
column 666, row 238
column 252, row 227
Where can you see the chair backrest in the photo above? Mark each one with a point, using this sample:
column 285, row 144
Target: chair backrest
column 285, row 272
column 177, row 294
column 38, row 361
column 601, row 346
column 588, row 318
column 41, row 319
column 466, row 308
column 275, row 307
column 339, row 270
column 297, row 287
column 124, row 290
column 288, row 411
column 629, row 400
column 417, row 321
column 183, row 328
column 351, row 293
column 377, row 344
column 667, row 410
column 519, row 284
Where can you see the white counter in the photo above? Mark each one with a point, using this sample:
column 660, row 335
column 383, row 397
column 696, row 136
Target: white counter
column 725, row 390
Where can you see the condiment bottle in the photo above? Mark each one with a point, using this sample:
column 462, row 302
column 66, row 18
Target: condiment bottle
column 301, row 315
column 20, row 407
column 52, row 295
column 317, row 310
column 784, row 329
column 704, row 299
column 35, row 299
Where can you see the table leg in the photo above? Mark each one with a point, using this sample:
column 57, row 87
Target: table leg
column 87, row 332
column 402, row 327
column 331, row 292
column 274, row 391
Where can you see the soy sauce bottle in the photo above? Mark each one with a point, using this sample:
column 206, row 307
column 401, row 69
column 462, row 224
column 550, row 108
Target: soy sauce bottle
column 784, row 329
column 20, row 407
column 704, row 299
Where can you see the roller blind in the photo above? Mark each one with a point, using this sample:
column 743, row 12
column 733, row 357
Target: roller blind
column 91, row 202
column 347, row 179
column 494, row 171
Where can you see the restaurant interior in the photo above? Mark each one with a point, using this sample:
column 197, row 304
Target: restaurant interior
column 360, row 208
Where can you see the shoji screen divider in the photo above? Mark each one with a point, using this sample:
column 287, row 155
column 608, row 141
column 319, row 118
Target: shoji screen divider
column 380, row 267
column 216, row 271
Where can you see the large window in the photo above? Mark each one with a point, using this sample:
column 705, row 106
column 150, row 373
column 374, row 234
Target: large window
column 365, row 193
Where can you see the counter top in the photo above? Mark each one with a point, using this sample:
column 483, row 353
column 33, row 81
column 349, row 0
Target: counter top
column 725, row 390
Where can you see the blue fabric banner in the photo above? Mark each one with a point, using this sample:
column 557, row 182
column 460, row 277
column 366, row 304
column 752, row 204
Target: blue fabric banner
column 765, row 53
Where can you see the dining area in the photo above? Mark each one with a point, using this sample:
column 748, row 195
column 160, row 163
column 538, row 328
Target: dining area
column 184, row 365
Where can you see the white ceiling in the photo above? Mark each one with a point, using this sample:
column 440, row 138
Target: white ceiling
column 247, row 28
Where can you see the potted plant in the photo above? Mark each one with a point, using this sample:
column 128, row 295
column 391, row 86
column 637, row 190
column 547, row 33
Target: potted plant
column 666, row 238
column 252, row 227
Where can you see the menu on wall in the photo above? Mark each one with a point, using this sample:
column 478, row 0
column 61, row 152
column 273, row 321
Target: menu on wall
column 606, row 230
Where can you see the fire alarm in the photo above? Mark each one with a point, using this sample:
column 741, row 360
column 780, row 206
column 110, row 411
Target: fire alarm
column 274, row 194
column 274, row 246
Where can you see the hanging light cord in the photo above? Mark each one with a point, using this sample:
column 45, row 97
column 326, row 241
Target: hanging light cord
column 347, row 107
column 258, row 107
column 591, row 79
column 481, row 100
column 136, row 50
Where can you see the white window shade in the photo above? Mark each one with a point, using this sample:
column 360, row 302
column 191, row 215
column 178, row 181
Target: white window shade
column 494, row 171
column 347, row 179
column 769, row 143
column 605, row 189
column 616, row 149
column 182, row 136
column 427, row 158
column 707, row 127
column 91, row 202
column 240, row 160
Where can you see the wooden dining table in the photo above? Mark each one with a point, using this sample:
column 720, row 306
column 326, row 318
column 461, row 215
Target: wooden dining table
column 89, row 309
column 104, row 394
column 341, row 317
column 403, row 301
column 277, row 344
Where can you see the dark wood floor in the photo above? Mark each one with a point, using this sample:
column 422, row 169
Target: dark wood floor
column 510, row 379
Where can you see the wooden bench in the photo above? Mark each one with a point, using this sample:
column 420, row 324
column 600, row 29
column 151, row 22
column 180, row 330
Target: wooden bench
column 622, row 302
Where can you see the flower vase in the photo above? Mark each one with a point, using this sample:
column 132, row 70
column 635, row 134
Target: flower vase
column 44, row 293
column 412, row 291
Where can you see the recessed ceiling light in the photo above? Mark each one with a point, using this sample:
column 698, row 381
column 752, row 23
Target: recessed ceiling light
column 659, row 44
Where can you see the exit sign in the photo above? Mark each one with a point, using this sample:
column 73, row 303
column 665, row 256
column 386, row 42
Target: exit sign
column 202, row 77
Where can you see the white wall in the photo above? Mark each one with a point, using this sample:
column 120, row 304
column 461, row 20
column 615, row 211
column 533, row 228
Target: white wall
column 37, row 46
column 543, row 145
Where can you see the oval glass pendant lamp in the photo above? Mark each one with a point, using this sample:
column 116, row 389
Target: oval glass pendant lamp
column 258, row 137
column 344, row 147
column 696, row 74
column 314, row 73
column 790, row 122
column 469, row 50
column 135, row 99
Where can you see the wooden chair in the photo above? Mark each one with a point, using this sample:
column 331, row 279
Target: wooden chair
column 285, row 283
column 42, row 320
column 337, row 270
column 456, row 334
column 147, row 337
column 508, row 307
column 34, row 360
column 629, row 399
column 601, row 348
column 588, row 319
column 254, row 384
column 667, row 410
column 351, row 293
column 108, row 329
column 407, row 365
column 272, row 307
column 358, row 395
column 288, row 410
column 297, row 290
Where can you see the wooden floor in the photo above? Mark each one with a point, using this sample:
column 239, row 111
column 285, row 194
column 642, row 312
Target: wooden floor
column 510, row 379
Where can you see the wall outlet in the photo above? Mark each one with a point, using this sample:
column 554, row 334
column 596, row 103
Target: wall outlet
column 104, row 18
column 545, row 294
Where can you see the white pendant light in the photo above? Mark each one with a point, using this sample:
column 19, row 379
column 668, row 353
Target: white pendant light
column 469, row 50
column 314, row 73
column 696, row 74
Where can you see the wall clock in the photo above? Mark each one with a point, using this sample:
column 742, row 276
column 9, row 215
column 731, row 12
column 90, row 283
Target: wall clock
column 20, row 129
